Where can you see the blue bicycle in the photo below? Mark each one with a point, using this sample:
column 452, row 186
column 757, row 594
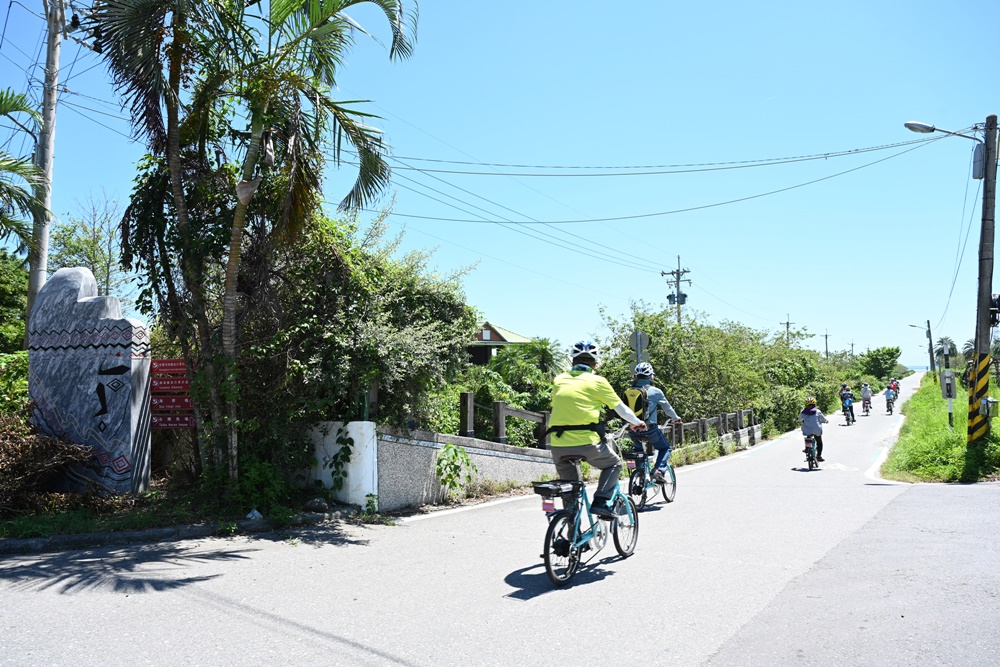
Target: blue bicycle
column 642, row 486
column 569, row 536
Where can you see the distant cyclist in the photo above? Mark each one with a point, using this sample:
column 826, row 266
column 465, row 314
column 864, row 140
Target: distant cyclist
column 890, row 395
column 894, row 383
column 847, row 400
column 649, row 400
column 812, row 424
column 578, row 399
column 866, row 396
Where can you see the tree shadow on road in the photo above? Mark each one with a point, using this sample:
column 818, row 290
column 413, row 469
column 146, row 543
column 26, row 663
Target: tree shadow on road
column 327, row 534
column 532, row 581
column 132, row 569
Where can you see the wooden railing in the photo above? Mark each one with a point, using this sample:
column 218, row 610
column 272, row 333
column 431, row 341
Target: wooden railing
column 500, row 413
column 698, row 430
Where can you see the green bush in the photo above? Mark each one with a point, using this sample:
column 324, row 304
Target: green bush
column 13, row 382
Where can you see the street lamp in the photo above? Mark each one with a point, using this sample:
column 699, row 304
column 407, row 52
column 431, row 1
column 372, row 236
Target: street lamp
column 930, row 347
column 978, row 425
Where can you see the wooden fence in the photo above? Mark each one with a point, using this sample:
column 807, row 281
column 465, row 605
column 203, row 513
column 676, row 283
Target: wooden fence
column 698, row 430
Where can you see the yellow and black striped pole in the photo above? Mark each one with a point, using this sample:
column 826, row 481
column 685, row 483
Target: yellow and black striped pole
column 979, row 382
column 979, row 425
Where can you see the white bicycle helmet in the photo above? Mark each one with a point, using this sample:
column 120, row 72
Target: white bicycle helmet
column 645, row 368
column 586, row 348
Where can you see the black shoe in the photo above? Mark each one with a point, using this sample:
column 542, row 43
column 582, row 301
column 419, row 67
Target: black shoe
column 601, row 510
column 820, row 459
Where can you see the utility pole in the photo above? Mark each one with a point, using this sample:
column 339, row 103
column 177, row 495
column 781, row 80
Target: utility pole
column 852, row 349
column 979, row 424
column 38, row 256
column 788, row 329
column 930, row 350
column 678, row 297
column 826, row 342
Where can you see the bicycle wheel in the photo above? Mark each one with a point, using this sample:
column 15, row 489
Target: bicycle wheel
column 669, row 489
column 561, row 560
column 625, row 527
column 637, row 487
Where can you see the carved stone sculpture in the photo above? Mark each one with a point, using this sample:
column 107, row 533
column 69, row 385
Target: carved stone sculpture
column 88, row 374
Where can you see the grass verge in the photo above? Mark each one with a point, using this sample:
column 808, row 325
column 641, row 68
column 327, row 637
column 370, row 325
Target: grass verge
column 929, row 451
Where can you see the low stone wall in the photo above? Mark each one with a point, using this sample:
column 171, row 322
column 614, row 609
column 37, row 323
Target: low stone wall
column 407, row 463
column 399, row 466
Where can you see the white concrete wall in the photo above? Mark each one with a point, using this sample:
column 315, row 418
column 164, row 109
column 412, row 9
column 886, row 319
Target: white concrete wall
column 362, row 470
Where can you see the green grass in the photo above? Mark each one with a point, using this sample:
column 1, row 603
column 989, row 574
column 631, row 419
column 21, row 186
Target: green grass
column 929, row 451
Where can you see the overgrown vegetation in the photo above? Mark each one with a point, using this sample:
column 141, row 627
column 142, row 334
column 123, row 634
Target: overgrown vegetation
column 706, row 369
column 929, row 451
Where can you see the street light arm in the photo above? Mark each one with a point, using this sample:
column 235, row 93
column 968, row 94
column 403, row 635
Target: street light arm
column 924, row 128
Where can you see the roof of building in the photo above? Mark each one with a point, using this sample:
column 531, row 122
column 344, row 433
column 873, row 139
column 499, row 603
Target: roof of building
column 506, row 335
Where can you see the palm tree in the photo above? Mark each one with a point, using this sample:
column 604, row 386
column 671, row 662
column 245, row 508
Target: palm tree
column 17, row 200
column 185, row 55
column 944, row 345
column 150, row 47
column 969, row 350
column 287, row 83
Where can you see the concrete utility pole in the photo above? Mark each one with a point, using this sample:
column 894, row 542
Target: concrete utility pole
column 679, row 297
column 930, row 350
column 38, row 257
column 978, row 424
column 788, row 329
column 826, row 342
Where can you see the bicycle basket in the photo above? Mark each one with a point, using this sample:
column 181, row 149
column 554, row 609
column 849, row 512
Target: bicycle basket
column 553, row 489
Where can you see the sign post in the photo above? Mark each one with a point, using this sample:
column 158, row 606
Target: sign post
column 639, row 341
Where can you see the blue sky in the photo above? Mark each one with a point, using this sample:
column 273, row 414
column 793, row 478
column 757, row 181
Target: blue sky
column 860, row 255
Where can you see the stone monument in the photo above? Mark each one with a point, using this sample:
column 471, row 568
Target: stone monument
column 88, row 374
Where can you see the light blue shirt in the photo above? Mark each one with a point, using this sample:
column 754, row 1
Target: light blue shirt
column 656, row 401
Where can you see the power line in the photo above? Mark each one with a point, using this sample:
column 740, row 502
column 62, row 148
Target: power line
column 71, row 106
column 515, row 228
column 628, row 256
column 679, row 210
column 667, row 169
column 954, row 278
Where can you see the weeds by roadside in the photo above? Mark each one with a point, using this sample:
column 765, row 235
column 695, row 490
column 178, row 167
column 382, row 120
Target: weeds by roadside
column 929, row 451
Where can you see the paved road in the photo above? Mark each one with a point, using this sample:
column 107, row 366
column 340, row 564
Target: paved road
column 758, row 562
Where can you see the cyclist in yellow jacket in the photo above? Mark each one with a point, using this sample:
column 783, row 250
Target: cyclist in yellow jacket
column 578, row 398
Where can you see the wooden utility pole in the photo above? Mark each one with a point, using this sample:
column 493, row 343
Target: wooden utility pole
column 788, row 329
column 826, row 342
column 679, row 297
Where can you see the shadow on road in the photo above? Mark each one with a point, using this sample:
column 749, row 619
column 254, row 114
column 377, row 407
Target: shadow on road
column 119, row 569
column 328, row 534
column 532, row 581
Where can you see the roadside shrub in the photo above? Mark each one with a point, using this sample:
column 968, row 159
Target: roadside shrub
column 30, row 461
column 13, row 382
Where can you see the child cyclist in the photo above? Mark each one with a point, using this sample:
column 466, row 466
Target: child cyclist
column 812, row 424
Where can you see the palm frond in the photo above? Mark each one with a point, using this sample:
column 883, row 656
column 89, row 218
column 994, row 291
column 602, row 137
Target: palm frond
column 373, row 170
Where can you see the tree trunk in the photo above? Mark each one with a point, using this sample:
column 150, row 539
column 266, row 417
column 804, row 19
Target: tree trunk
column 230, row 297
column 192, row 279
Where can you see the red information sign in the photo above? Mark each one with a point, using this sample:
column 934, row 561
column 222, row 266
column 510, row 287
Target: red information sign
column 172, row 420
column 171, row 403
column 170, row 384
column 171, row 366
